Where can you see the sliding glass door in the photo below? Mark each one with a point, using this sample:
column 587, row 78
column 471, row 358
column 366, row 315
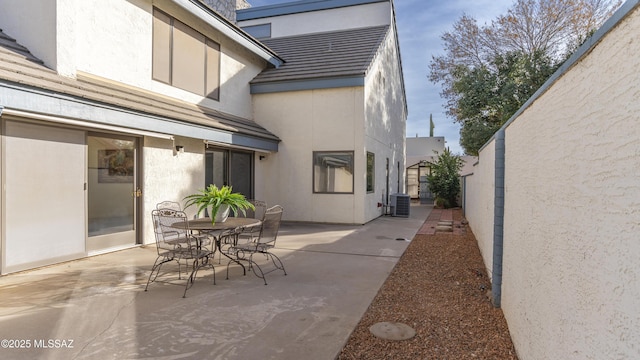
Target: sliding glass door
column 112, row 192
column 230, row 167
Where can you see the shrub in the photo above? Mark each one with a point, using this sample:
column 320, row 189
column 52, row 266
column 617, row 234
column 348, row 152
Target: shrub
column 444, row 180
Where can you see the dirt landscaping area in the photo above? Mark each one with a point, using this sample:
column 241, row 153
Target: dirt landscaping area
column 440, row 289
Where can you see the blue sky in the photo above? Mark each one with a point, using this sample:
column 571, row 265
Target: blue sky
column 420, row 25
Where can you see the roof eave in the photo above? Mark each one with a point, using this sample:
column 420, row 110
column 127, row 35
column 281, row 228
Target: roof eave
column 307, row 84
column 51, row 106
column 296, row 7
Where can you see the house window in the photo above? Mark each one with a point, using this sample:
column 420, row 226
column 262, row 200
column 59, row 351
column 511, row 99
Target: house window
column 184, row 58
column 230, row 167
column 333, row 172
column 371, row 171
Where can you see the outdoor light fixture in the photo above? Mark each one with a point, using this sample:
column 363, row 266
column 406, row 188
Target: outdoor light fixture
column 179, row 148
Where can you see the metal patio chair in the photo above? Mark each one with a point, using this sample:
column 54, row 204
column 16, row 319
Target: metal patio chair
column 261, row 244
column 204, row 239
column 260, row 209
column 177, row 243
column 230, row 238
column 173, row 205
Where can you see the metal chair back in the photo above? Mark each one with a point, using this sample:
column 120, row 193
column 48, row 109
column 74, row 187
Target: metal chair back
column 270, row 226
column 173, row 205
column 168, row 237
column 260, row 209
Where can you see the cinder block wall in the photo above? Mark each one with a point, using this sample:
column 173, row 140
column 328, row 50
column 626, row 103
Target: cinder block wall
column 571, row 269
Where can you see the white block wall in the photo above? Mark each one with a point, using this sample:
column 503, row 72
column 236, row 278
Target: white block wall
column 480, row 201
column 571, row 269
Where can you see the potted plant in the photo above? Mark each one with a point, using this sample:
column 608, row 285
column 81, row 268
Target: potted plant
column 218, row 202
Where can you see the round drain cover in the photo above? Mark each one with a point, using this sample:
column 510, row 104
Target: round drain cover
column 392, row 331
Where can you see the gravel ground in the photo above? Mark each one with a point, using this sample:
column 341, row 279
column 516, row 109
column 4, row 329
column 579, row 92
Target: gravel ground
column 440, row 288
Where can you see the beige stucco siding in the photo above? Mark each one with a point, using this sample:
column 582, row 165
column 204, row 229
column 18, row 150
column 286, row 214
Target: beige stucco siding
column 113, row 40
column 384, row 125
column 571, row 275
column 307, row 121
column 119, row 47
column 169, row 176
column 16, row 16
column 364, row 119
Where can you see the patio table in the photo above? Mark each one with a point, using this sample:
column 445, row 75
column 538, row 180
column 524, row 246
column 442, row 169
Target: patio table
column 204, row 225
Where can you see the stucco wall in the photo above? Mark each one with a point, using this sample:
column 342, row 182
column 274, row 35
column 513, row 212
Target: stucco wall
column 352, row 17
column 571, row 275
column 169, row 176
column 307, row 121
column 119, row 47
column 480, row 201
column 113, row 40
column 385, row 125
column 360, row 119
column 425, row 146
column 571, row 280
column 19, row 19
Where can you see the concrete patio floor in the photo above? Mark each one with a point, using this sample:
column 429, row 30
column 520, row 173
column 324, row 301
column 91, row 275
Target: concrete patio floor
column 96, row 308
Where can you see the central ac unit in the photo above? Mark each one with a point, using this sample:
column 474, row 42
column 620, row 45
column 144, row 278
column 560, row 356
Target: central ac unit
column 400, row 205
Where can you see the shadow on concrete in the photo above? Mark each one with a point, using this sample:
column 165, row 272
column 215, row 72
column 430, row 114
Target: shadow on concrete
column 99, row 305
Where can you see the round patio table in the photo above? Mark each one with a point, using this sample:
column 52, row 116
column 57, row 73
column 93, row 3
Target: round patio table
column 204, row 225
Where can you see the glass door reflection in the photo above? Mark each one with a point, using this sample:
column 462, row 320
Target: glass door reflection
column 112, row 191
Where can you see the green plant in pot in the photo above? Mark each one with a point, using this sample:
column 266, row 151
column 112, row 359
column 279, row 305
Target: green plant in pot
column 219, row 200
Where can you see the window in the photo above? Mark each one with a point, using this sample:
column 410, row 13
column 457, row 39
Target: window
column 333, row 172
column 230, row 167
column 184, row 58
column 371, row 171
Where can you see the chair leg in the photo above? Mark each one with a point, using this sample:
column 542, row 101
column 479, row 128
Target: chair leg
column 251, row 266
column 274, row 257
column 237, row 261
column 197, row 264
column 156, row 269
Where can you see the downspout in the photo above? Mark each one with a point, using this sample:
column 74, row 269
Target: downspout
column 498, row 218
column 464, row 195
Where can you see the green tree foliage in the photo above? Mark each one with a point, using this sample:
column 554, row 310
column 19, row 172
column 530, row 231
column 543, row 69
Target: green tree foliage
column 444, row 180
column 488, row 98
column 488, row 72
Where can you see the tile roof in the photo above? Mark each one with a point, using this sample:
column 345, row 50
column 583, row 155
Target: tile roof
column 324, row 55
column 12, row 45
column 19, row 66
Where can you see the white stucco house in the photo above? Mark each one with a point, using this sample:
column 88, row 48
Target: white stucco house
column 109, row 107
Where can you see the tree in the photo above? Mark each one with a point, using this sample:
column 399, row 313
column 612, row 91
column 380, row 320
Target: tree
column 487, row 98
column 488, row 72
column 443, row 180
